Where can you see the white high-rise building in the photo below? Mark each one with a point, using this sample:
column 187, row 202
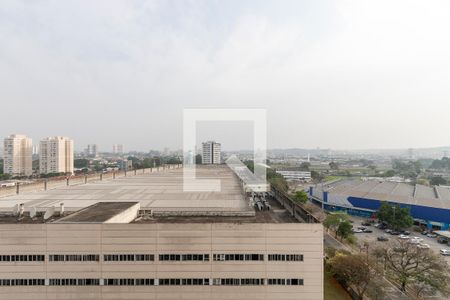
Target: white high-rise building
column 17, row 152
column 56, row 155
column 118, row 148
column 210, row 153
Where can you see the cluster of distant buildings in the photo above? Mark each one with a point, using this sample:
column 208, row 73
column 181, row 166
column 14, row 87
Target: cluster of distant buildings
column 92, row 150
column 55, row 155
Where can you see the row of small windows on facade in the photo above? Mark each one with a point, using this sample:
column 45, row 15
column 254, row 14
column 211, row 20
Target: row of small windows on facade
column 21, row 282
column 285, row 257
column 184, row 281
column 282, row 281
column 129, row 257
column 73, row 281
column 151, row 281
column 238, row 281
column 129, row 281
column 238, row 257
column 184, row 257
column 74, row 257
column 151, row 257
column 22, row 257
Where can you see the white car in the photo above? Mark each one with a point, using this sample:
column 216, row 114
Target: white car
column 445, row 252
column 423, row 246
column 415, row 240
column 403, row 237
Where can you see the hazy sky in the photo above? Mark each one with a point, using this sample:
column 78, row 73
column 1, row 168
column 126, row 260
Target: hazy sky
column 339, row 74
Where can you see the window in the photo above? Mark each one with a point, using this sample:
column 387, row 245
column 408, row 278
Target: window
column 184, row 257
column 128, row 257
column 285, row 257
column 22, row 282
column 74, row 257
column 21, row 258
column 282, row 281
column 73, row 281
column 184, row 281
column 238, row 257
column 129, row 281
column 238, row 281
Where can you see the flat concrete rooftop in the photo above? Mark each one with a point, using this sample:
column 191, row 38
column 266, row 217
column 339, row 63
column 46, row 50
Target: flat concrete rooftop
column 103, row 211
column 160, row 192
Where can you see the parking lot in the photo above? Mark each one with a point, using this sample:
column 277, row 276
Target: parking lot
column 372, row 237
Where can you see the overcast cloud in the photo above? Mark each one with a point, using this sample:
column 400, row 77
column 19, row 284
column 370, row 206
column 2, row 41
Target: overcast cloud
column 339, row 74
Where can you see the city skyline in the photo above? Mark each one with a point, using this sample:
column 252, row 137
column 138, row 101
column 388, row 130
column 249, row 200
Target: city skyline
column 341, row 75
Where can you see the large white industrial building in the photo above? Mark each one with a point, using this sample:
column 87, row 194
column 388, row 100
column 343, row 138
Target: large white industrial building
column 143, row 237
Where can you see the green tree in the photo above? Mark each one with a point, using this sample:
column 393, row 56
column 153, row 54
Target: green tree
column 389, row 173
column 394, row 215
column 411, row 265
column 438, row 180
column 333, row 220
column 5, row 176
column 333, row 165
column 355, row 270
column 344, row 229
column 80, row 163
column 301, row 196
column 316, row 176
column 172, row 160
column 304, row 166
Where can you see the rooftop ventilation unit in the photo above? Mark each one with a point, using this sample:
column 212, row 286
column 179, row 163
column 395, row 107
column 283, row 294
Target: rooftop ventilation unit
column 49, row 213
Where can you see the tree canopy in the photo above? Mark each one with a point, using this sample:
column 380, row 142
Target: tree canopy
column 415, row 267
column 301, row 196
column 441, row 164
column 394, row 215
column 438, row 180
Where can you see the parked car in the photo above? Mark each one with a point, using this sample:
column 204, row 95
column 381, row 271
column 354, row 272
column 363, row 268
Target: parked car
column 356, row 230
column 382, row 239
column 423, row 246
column 445, row 252
column 362, row 228
column 403, row 237
column 425, row 232
column 388, row 230
column 406, row 232
column 393, row 232
column 442, row 240
column 432, row 235
column 367, row 231
column 381, row 226
column 366, row 223
column 415, row 240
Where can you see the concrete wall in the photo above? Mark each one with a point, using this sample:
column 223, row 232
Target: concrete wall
column 294, row 238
